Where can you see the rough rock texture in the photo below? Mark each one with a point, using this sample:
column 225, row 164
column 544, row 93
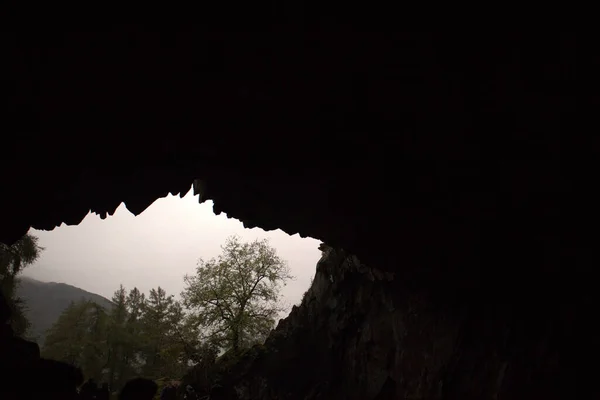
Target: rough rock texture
column 359, row 334
column 438, row 157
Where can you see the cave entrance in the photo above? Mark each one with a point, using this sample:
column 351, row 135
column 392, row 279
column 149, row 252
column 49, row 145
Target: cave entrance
column 83, row 267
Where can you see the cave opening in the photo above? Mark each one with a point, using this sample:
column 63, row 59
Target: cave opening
column 75, row 276
column 432, row 164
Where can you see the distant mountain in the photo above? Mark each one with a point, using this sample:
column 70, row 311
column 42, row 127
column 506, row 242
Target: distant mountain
column 47, row 300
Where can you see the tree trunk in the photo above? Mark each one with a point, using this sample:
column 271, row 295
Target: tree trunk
column 237, row 332
column 236, row 339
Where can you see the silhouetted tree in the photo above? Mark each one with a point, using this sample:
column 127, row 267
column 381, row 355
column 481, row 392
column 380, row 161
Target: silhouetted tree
column 163, row 353
column 79, row 338
column 155, row 323
column 135, row 309
column 235, row 298
column 119, row 341
column 137, row 336
column 13, row 259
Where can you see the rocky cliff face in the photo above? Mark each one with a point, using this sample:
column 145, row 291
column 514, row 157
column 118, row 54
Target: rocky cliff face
column 361, row 334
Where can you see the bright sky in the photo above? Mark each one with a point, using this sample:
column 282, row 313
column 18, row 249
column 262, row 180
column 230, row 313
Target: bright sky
column 158, row 247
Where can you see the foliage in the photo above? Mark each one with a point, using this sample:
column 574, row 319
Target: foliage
column 118, row 340
column 162, row 351
column 79, row 338
column 13, row 259
column 235, row 298
column 230, row 304
column 139, row 336
column 220, row 371
column 45, row 302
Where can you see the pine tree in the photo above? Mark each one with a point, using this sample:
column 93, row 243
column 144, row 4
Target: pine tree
column 95, row 351
column 79, row 338
column 156, row 327
column 133, row 359
column 64, row 340
column 119, row 342
column 149, row 337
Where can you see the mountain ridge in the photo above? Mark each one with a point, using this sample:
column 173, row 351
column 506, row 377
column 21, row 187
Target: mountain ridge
column 45, row 302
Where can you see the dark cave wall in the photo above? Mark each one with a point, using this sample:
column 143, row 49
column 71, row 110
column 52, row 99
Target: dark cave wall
column 361, row 334
column 453, row 142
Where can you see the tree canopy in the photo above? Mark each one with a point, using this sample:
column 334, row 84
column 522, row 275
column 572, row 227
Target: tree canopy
column 138, row 336
column 13, row 259
column 79, row 338
column 235, row 298
column 229, row 304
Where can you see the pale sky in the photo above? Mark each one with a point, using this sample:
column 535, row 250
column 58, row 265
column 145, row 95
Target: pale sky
column 158, row 247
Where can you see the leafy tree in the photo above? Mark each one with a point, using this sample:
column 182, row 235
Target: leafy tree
column 79, row 338
column 235, row 297
column 186, row 334
column 143, row 336
column 13, row 259
column 182, row 345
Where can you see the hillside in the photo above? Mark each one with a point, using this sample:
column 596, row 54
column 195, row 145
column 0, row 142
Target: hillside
column 47, row 300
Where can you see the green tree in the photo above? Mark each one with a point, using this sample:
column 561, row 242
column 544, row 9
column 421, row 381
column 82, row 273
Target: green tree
column 155, row 324
column 182, row 342
column 186, row 334
column 13, row 259
column 138, row 336
column 235, row 298
column 79, row 338
column 119, row 342
column 163, row 352
column 135, row 303
column 95, row 350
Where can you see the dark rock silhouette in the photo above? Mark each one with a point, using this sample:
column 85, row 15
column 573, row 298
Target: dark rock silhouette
column 103, row 392
column 169, row 392
column 352, row 338
column 439, row 158
column 138, row 389
column 25, row 375
column 88, row 390
column 57, row 378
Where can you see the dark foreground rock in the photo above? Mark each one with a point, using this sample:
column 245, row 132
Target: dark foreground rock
column 361, row 334
column 449, row 159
